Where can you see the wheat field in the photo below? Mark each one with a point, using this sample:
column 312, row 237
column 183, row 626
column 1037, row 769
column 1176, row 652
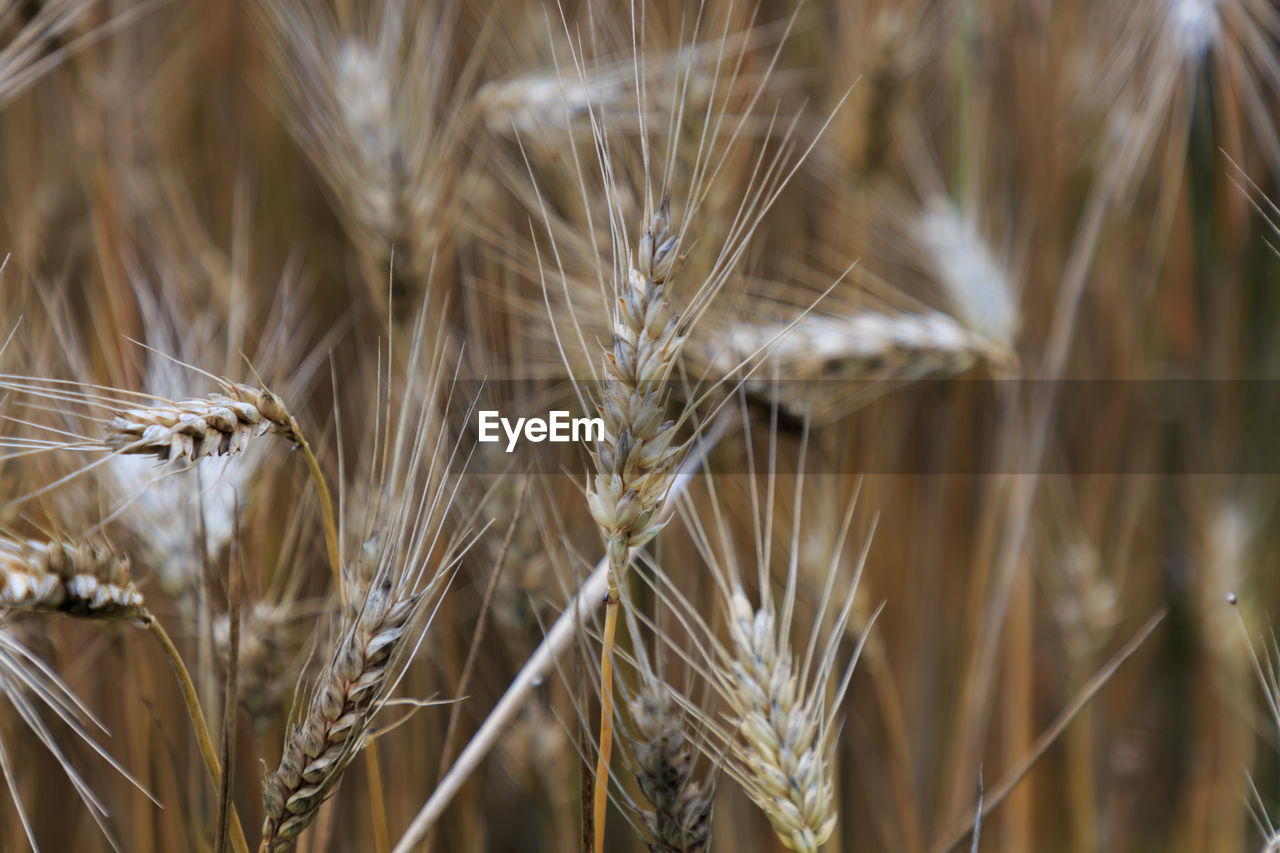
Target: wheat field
column 676, row 426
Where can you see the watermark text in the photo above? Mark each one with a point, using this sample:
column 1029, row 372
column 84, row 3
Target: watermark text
column 558, row 426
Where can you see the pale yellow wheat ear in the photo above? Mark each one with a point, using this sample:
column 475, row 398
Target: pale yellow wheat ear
column 777, row 670
column 394, row 582
column 856, row 341
column 375, row 102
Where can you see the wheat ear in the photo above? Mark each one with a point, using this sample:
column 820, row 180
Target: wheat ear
column 778, row 735
column 637, row 458
column 865, row 347
column 786, row 758
column 663, row 760
column 337, row 720
column 85, row 580
column 221, row 424
column 216, row 425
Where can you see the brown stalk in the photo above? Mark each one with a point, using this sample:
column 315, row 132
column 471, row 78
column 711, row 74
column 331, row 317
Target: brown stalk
column 956, row 834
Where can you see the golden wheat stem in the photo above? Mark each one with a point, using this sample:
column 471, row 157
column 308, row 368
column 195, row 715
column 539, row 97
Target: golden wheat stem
column 326, row 503
column 377, row 799
column 198, row 723
column 600, row 794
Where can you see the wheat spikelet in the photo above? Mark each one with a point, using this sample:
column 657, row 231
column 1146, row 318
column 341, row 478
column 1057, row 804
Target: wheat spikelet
column 337, row 719
column 80, row 579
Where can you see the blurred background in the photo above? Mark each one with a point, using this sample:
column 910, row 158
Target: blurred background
column 993, row 197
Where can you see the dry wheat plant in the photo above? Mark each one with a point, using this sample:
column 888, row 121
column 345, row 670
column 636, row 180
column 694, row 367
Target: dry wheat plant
column 690, row 426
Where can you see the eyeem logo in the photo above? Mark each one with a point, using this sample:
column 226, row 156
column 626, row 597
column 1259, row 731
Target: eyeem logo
column 558, row 427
